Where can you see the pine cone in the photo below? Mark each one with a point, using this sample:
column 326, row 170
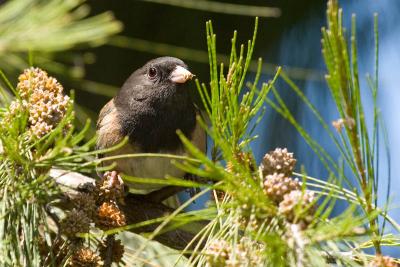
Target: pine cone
column 297, row 207
column 110, row 187
column 85, row 202
column 85, row 257
column 278, row 161
column 277, row 185
column 42, row 97
column 218, row 252
column 383, row 261
column 75, row 222
column 109, row 216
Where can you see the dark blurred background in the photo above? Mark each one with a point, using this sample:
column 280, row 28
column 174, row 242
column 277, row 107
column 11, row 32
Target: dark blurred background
column 185, row 28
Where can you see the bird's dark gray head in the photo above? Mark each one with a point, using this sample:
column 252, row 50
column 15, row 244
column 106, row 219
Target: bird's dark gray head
column 167, row 69
column 154, row 102
column 157, row 79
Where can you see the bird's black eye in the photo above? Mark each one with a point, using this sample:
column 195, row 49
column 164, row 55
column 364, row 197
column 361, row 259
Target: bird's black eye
column 152, row 72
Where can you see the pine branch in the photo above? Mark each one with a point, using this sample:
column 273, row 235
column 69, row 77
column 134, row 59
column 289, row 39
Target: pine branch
column 137, row 208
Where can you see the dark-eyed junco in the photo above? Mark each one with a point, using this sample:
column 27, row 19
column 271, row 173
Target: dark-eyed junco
column 150, row 107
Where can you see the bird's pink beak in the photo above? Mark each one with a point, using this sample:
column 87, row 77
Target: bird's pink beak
column 180, row 75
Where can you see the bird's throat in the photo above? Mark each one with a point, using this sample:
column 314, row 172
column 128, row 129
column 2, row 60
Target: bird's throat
column 153, row 126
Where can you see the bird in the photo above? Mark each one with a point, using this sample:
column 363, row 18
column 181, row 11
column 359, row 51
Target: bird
column 153, row 103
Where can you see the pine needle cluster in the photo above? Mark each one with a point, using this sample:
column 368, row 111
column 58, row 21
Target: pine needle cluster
column 37, row 135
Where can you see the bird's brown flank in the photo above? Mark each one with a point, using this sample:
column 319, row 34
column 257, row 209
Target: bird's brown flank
column 108, row 127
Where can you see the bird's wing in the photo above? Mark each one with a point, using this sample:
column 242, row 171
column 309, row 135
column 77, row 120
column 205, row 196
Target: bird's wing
column 108, row 126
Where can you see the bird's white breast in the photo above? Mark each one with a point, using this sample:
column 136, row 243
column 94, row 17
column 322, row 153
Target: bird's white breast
column 148, row 167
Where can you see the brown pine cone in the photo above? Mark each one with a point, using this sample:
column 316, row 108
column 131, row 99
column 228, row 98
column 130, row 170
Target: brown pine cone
column 278, row 161
column 109, row 216
column 85, row 257
column 277, row 185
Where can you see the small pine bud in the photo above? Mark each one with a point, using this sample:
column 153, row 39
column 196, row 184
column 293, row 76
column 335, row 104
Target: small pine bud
column 44, row 100
column 297, row 207
column 218, row 253
column 277, row 185
column 16, row 110
column 278, row 161
column 341, row 123
column 383, row 261
column 109, row 216
column 85, row 202
column 111, row 187
column 75, row 222
column 85, row 257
